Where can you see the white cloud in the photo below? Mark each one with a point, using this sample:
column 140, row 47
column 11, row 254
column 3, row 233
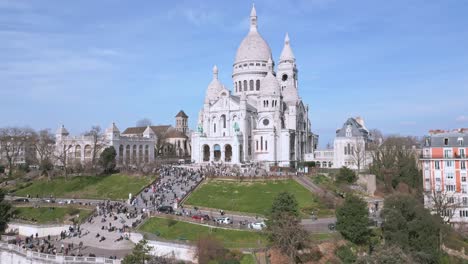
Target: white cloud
column 462, row 118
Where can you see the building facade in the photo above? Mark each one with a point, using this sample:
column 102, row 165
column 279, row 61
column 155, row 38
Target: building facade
column 169, row 141
column 262, row 118
column 444, row 163
column 80, row 149
column 350, row 147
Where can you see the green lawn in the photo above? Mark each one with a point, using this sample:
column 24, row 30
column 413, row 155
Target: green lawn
column 48, row 215
column 114, row 187
column 176, row 230
column 253, row 197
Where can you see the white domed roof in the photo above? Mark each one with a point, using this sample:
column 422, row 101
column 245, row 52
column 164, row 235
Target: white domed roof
column 253, row 46
column 215, row 86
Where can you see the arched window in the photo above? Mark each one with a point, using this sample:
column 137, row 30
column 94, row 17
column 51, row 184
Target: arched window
column 235, row 84
column 240, row 86
column 245, row 85
column 266, row 145
column 261, row 143
column 223, row 120
column 214, row 128
column 251, row 85
column 257, row 145
column 258, row 85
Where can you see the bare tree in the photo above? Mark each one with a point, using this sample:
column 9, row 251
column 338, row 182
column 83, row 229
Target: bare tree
column 61, row 155
column 444, row 203
column 98, row 143
column 288, row 236
column 44, row 145
column 144, row 122
column 14, row 142
column 160, row 144
column 358, row 154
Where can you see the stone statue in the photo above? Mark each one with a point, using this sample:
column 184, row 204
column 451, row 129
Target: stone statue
column 236, row 127
column 200, row 128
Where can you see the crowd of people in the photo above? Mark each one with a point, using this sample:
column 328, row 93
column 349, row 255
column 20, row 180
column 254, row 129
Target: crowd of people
column 225, row 170
column 111, row 221
column 172, row 185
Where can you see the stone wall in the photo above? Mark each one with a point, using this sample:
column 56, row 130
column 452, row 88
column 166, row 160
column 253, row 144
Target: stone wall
column 12, row 254
column 41, row 230
column 169, row 249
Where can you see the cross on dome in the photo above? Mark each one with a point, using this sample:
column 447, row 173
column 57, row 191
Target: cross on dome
column 215, row 72
column 253, row 19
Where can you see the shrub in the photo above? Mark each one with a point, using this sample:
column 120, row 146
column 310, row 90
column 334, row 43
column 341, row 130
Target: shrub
column 346, row 254
column 346, row 175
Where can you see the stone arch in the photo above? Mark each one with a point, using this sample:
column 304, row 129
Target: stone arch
column 257, row 84
column 223, row 121
column 245, row 85
column 206, row 153
column 217, row 152
column 121, row 153
column 77, row 152
column 134, row 153
column 330, row 164
column 227, row 153
column 127, row 154
column 140, row 153
column 324, row 164
column 251, row 84
column 88, row 152
column 146, row 153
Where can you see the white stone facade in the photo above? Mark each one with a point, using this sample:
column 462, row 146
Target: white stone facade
column 130, row 150
column 262, row 119
column 349, row 147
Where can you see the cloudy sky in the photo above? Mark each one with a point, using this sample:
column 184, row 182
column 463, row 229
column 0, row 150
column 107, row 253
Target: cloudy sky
column 402, row 65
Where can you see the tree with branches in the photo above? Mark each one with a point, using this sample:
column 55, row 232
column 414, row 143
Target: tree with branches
column 444, row 204
column 359, row 154
column 44, row 145
column 98, row 143
column 61, row 155
column 14, row 142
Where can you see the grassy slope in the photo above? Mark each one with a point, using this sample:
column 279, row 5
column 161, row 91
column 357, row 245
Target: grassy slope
column 44, row 215
column 251, row 197
column 116, row 186
column 172, row 229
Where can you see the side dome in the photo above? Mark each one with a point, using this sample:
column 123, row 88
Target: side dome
column 270, row 85
column 215, row 86
column 253, row 46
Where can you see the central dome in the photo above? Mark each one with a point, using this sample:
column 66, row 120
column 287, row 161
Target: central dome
column 253, row 47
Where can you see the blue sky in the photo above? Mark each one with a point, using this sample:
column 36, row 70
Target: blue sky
column 402, row 64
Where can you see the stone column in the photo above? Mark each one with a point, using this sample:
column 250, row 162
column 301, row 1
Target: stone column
column 223, row 155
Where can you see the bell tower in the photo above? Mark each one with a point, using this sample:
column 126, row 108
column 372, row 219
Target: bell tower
column 181, row 122
column 287, row 73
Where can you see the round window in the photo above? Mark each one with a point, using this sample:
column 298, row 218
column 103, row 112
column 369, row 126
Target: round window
column 284, row 77
column 266, row 122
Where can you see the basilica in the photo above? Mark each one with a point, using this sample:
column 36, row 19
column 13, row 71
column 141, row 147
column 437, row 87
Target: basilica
column 262, row 118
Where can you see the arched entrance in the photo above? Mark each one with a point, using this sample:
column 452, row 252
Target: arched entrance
column 121, row 153
column 206, row 153
column 217, row 152
column 227, row 153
